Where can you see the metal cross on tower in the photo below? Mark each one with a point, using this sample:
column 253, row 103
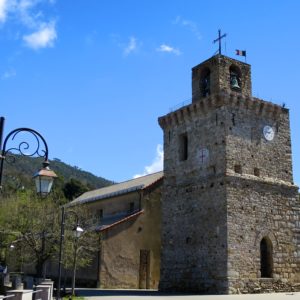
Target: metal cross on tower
column 219, row 39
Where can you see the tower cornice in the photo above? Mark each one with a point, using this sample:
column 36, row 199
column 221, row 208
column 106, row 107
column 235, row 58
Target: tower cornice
column 208, row 104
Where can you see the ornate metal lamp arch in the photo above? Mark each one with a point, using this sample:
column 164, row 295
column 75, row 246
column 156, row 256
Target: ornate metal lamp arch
column 39, row 150
column 25, row 145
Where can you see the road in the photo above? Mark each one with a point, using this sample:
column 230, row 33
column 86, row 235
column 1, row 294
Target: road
column 98, row 294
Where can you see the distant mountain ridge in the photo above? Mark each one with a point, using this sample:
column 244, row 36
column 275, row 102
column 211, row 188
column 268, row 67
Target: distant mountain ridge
column 75, row 172
column 18, row 172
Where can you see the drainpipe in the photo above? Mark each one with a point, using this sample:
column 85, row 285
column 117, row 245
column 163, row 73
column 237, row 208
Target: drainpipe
column 99, row 261
column 141, row 194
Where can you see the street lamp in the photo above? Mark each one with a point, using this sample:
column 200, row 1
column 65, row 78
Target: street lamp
column 10, row 245
column 77, row 232
column 44, row 178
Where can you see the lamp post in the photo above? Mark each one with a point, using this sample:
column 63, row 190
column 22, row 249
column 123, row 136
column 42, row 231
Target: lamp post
column 4, row 248
column 77, row 231
column 43, row 178
column 9, row 244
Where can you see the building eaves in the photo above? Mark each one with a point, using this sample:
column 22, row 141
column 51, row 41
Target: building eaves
column 123, row 220
column 106, row 196
column 145, row 182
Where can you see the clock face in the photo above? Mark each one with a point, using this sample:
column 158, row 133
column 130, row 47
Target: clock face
column 268, row 132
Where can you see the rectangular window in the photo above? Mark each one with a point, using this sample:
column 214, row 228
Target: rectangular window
column 256, row 172
column 100, row 214
column 131, row 207
column 183, row 147
column 238, row 169
column 211, row 170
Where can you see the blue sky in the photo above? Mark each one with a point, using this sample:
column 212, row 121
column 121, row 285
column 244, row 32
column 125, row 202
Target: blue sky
column 93, row 76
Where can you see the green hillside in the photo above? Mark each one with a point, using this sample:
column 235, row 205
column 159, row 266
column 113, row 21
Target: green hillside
column 18, row 172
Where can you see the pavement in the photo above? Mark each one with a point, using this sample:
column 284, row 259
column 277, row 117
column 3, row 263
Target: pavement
column 98, row 294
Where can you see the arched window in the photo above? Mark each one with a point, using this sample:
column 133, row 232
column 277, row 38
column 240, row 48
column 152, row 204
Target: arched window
column 235, row 78
column 266, row 258
column 205, row 82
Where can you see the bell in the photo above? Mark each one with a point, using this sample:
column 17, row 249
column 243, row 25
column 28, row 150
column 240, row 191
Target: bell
column 234, row 82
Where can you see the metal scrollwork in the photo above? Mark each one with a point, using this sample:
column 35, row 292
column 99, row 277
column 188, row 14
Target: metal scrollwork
column 38, row 147
column 25, row 148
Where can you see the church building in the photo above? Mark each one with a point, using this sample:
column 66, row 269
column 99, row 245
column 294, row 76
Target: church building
column 230, row 209
column 129, row 224
column 224, row 216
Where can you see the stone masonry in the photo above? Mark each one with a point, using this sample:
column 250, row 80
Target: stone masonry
column 230, row 209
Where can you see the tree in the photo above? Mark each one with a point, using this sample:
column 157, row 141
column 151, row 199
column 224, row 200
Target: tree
column 80, row 251
column 33, row 224
column 74, row 188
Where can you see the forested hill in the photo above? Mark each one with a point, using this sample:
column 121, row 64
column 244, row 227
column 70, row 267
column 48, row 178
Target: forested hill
column 18, row 175
column 74, row 172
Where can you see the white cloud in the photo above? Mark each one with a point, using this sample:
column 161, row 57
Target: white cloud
column 42, row 38
column 21, row 10
column 190, row 25
column 157, row 164
column 168, row 49
column 3, row 10
column 131, row 46
column 8, row 74
column 28, row 13
column 24, row 9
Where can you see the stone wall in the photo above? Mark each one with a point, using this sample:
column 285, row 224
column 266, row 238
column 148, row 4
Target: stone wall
column 256, row 210
column 194, row 227
column 194, row 231
column 263, row 285
column 247, row 147
column 230, row 190
column 219, row 68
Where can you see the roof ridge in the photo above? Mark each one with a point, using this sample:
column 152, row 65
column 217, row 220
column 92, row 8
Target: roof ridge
column 128, row 180
column 140, row 177
column 117, row 189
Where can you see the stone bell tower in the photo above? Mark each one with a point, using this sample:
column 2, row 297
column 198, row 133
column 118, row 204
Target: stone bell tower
column 220, row 73
column 230, row 209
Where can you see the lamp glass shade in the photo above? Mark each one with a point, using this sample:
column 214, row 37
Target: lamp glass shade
column 43, row 184
column 78, row 231
column 44, row 179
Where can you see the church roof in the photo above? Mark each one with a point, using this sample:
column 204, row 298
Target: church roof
column 108, row 223
column 118, row 189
